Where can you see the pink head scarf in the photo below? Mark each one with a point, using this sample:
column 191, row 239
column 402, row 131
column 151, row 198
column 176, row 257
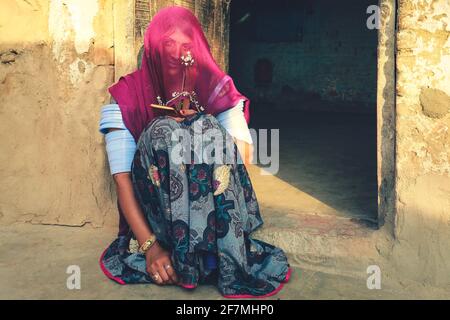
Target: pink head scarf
column 161, row 72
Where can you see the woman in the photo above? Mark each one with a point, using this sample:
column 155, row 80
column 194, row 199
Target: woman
column 188, row 222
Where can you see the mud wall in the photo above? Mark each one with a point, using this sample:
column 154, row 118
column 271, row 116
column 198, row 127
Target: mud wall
column 56, row 64
column 422, row 221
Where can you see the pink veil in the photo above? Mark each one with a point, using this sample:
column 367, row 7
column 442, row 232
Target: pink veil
column 159, row 75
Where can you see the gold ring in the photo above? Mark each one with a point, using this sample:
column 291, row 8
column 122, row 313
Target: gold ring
column 156, row 276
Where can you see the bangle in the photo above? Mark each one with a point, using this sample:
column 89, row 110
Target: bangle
column 147, row 244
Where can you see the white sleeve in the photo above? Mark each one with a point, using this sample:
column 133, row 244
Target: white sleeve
column 233, row 121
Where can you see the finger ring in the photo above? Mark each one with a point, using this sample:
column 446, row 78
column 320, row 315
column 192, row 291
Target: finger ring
column 167, row 267
column 156, row 276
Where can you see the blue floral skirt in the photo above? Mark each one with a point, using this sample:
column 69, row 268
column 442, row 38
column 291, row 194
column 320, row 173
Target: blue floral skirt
column 203, row 213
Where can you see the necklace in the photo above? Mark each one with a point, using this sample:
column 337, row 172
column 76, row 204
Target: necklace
column 183, row 94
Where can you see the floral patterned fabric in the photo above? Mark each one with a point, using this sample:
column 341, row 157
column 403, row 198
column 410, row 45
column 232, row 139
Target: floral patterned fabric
column 197, row 219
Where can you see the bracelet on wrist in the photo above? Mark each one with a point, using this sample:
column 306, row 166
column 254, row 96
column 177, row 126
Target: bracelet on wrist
column 147, row 244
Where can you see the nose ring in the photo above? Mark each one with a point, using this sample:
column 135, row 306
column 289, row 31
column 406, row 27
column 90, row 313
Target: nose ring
column 187, row 60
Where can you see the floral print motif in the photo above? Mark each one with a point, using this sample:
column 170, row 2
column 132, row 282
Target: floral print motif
column 221, row 178
column 153, row 175
column 200, row 181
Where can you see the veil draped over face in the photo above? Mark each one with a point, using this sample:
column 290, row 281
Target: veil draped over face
column 163, row 74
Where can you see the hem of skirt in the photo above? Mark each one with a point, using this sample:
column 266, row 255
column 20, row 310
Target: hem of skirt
column 278, row 289
column 188, row 286
column 106, row 272
column 237, row 296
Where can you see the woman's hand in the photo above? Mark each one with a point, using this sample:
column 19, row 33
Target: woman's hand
column 246, row 151
column 159, row 266
column 185, row 111
column 184, row 114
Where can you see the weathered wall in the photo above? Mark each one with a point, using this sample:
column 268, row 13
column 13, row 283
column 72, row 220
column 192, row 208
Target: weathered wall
column 56, row 64
column 421, row 249
column 319, row 50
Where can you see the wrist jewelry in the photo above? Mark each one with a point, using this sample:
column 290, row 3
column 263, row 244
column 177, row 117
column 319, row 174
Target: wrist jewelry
column 147, row 244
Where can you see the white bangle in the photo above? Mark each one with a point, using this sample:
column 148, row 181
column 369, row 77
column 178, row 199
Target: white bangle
column 121, row 147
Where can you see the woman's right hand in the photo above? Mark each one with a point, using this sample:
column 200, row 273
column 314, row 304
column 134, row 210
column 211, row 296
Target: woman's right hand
column 160, row 265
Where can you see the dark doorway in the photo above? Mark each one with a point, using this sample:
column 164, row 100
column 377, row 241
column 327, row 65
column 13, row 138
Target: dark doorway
column 309, row 68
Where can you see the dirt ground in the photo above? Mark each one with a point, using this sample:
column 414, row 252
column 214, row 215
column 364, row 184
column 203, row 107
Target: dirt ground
column 35, row 258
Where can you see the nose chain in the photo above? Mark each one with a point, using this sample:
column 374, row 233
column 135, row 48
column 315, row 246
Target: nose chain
column 187, row 61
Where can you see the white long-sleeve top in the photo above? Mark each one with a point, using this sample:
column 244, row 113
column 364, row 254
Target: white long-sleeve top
column 120, row 144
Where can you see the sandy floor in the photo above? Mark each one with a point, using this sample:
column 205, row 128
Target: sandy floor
column 34, row 260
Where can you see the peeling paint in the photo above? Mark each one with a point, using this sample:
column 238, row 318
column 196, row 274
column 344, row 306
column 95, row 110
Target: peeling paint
column 79, row 69
column 71, row 21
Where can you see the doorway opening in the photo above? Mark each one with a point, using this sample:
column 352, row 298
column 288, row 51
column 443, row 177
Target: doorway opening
column 310, row 70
